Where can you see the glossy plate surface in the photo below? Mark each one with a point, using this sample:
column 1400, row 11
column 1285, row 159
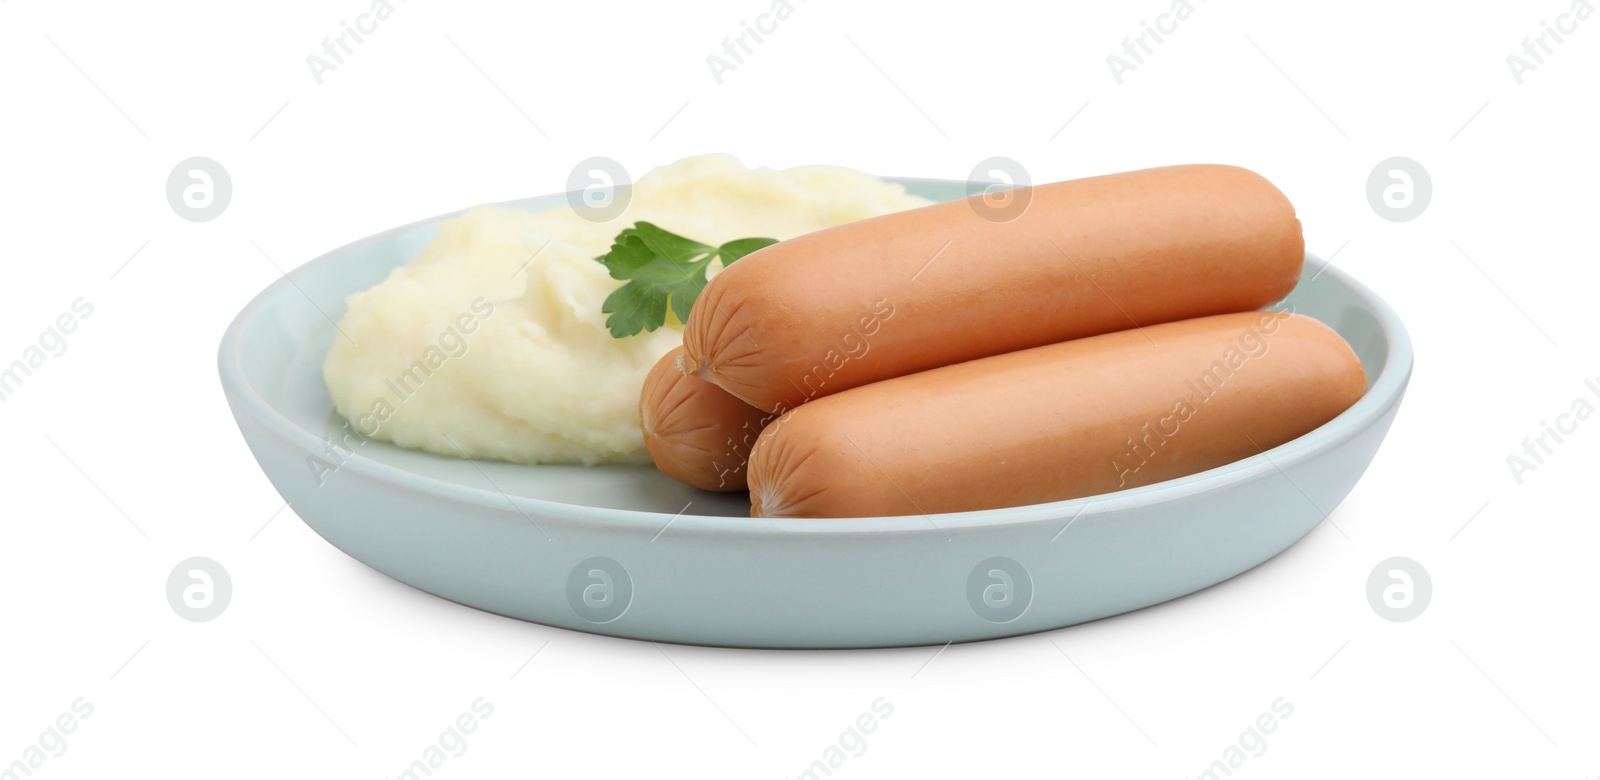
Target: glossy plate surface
column 614, row 550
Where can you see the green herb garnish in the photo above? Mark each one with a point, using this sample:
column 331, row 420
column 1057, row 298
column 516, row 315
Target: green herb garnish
column 662, row 269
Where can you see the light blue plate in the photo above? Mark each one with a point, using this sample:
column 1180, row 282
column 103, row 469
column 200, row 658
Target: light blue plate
column 614, row 550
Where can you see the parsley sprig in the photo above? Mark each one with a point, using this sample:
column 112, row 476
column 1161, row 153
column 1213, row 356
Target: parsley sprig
column 662, row 269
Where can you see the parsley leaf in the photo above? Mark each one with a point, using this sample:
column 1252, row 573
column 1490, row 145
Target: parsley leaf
column 662, row 269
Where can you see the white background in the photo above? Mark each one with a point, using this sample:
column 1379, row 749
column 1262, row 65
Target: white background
column 323, row 667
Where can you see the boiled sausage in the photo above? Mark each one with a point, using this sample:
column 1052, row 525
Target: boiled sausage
column 1062, row 421
column 924, row 288
column 696, row 433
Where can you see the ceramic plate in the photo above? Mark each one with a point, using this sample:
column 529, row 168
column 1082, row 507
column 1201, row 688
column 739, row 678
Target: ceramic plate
column 625, row 551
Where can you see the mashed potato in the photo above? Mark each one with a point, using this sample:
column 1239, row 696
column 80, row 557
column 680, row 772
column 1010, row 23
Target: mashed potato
column 491, row 343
